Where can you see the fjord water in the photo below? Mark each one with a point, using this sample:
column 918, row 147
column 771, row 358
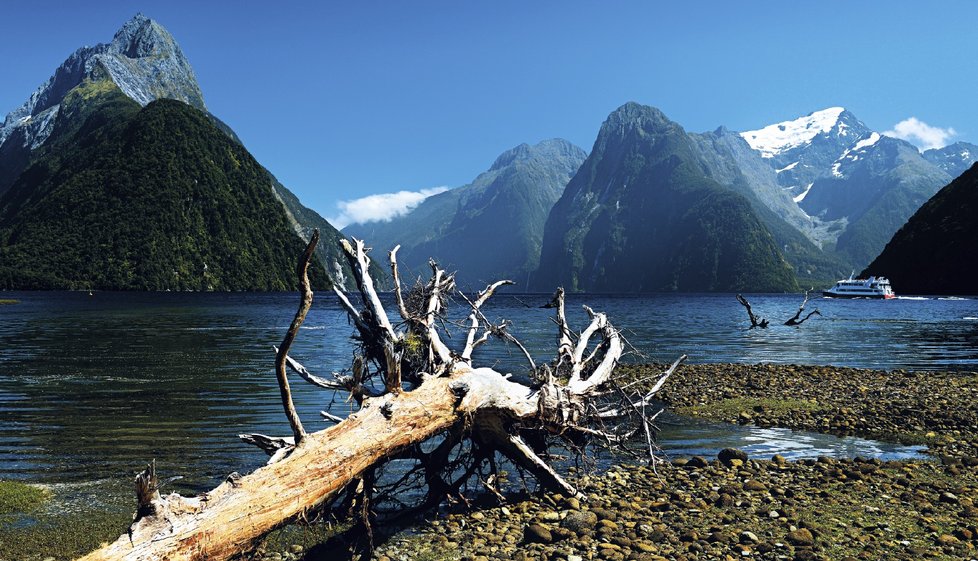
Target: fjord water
column 92, row 387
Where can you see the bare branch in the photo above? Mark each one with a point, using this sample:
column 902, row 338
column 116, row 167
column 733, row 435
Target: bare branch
column 565, row 346
column 357, row 256
column 277, row 447
column 302, row 271
column 602, row 372
column 755, row 321
column 398, row 295
column 341, row 383
column 474, row 316
column 350, row 310
column 665, row 376
column 330, row 417
column 500, row 331
column 437, row 284
column 794, row 320
column 647, row 398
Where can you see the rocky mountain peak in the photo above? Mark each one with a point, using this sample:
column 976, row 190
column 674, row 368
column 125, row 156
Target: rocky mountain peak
column 142, row 59
column 551, row 150
column 955, row 158
column 141, row 37
column 632, row 115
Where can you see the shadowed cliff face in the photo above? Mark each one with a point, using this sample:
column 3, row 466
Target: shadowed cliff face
column 934, row 253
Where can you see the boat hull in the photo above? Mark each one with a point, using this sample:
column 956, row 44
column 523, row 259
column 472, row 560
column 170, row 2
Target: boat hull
column 853, row 296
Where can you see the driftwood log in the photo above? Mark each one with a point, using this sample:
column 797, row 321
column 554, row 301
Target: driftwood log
column 419, row 400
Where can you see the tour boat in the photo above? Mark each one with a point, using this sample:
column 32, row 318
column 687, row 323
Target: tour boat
column 873, row 287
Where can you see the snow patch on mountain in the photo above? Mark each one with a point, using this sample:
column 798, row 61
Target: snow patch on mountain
column 850, row 155
column 866, row 142
column 804, row 193
column 779, row 137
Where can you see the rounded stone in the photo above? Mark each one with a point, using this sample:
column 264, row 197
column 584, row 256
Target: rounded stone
column 801, row 537
column 580, row 521
column 537, row 533
column 728, row 455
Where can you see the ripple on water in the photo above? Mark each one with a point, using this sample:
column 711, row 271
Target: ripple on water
column 682, row 436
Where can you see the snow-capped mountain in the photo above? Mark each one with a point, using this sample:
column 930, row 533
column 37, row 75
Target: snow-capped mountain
column 856, row 186
column 804, row 149
column 780, row 137
column 955, row 158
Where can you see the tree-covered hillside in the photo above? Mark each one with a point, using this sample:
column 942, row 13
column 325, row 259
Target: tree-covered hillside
column 153, row 198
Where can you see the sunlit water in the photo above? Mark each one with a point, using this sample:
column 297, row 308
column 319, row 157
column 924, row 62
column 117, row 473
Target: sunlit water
column 91, row 387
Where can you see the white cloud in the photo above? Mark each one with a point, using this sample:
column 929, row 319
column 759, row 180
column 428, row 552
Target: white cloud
column 380, row 208
column 921, row 134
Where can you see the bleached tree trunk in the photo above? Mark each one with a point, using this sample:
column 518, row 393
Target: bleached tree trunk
column 412, row 387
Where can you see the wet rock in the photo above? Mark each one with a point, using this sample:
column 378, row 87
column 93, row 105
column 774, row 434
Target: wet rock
column 728, row 455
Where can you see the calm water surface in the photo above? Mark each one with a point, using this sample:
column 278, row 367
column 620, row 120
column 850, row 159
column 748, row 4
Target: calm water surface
column 93, row 386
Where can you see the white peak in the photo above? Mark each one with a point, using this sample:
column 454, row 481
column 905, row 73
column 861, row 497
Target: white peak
column 775, row 139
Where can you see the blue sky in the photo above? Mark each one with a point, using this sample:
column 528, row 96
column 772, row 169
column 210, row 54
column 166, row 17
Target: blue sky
column 343, row 100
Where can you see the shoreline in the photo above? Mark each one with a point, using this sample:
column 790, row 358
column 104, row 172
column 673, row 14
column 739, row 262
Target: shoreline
column 936, row 408
column 735, row 507
column 702, row 508
column 691, row 509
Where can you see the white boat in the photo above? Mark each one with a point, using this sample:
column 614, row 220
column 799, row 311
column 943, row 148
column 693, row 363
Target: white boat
column 873, row 287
